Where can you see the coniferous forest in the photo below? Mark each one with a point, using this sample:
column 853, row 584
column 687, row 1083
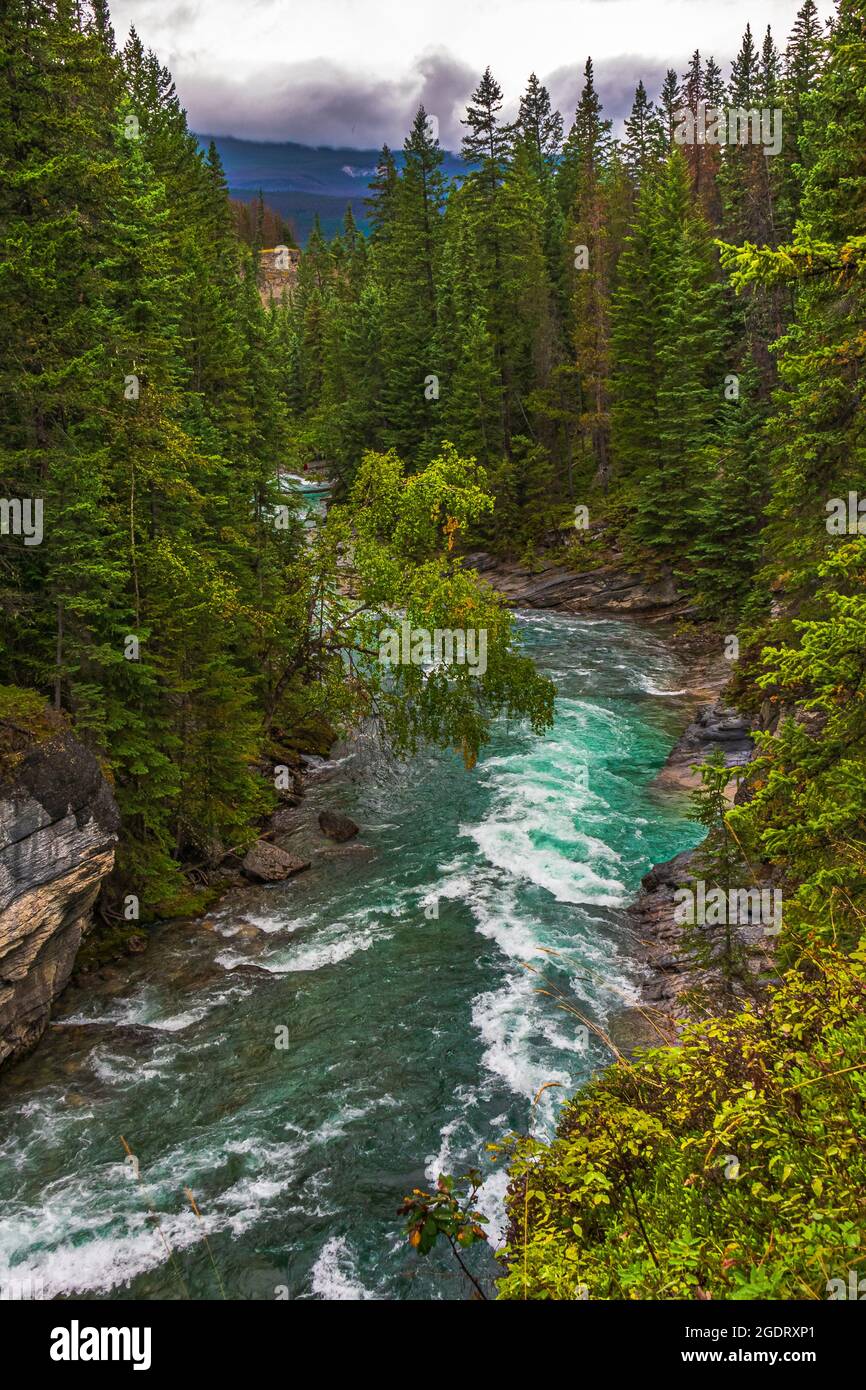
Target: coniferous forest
column 598, row 347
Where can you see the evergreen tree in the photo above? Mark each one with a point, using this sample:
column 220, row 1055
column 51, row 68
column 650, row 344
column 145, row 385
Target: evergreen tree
column 645, row 140
column 804, row 57
column 670, row 102
column 540, row 126
column 817, row 442
column 379, row 207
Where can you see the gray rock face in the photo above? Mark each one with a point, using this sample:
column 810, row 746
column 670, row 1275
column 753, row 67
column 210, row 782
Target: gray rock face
column 269, row 864
column 652, row 918
column 714, row 727
column 58, row 829
column 607, row 589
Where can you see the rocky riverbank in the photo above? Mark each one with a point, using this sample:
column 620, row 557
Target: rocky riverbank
column 680, row 987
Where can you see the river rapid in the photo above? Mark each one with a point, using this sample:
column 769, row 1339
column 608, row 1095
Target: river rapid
column 315, row 1049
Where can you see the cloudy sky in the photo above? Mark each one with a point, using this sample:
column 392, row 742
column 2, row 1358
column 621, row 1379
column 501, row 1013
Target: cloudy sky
column 352, row 72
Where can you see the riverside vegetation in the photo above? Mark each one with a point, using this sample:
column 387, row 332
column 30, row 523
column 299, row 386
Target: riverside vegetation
column 671, row 336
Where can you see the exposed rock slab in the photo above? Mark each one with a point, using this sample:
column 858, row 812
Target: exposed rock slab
column 715, row 726
column 58, row 829
column 608, row 589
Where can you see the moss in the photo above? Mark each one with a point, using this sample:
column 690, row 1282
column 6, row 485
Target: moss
column 26, row 719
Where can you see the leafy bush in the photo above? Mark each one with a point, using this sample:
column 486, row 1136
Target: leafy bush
column 728, row 1168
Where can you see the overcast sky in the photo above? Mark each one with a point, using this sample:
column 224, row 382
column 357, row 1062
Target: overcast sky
column 352, row 72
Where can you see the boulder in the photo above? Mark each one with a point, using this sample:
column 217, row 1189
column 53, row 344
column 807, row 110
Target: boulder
column 268, row 863
column 337, row 826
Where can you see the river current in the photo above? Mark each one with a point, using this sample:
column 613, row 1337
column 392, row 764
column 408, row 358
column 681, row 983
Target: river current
column 315, row 1049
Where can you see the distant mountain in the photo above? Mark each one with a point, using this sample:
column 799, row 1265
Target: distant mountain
column 302, row 180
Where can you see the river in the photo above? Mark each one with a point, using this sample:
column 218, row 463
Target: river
column 409, row 1040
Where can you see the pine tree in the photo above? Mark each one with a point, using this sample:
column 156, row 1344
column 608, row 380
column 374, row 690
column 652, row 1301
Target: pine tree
column 410, row 267
column 587, row 147
column 729, row 515
column 645, row 141
column 487, row 142
column 670, row 102
column 668, row 344
column 379, row 207
column 540, row 126
column 689, row 356
column 471, row 383
column 804, row 58
column 487, row 147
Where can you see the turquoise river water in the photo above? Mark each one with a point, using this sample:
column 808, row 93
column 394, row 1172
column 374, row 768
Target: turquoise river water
column 410, row 1040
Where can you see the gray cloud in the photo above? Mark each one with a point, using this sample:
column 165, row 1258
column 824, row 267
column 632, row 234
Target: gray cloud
column 322, row 103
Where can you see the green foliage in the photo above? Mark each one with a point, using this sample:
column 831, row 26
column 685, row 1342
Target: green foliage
column 446, row 1212
column 731, row 1167
column 807, row 813
column 394, row 546
column 718, row 861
